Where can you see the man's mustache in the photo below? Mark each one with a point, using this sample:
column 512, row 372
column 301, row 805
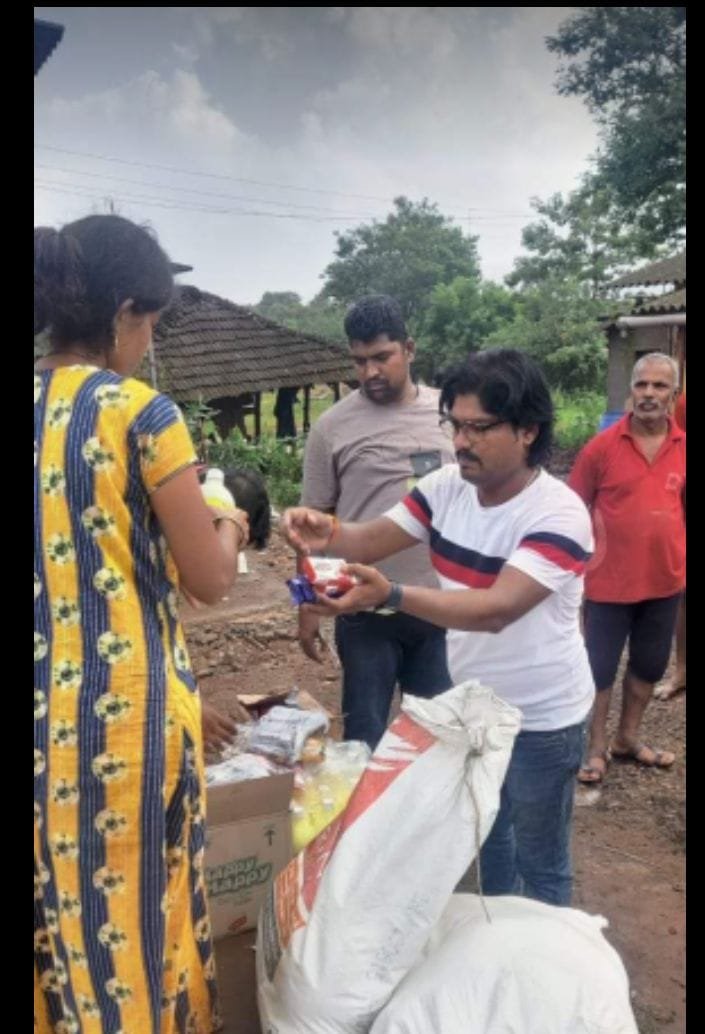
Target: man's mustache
column 465, row 454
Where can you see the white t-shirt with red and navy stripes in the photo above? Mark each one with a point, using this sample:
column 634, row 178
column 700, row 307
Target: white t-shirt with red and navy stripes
column 539, row 662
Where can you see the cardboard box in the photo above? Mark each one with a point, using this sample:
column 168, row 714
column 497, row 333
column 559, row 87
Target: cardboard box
column 248, row 842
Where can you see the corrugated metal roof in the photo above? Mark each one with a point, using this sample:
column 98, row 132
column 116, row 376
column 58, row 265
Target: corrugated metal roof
column 665, row 271
column 674, row 301
column 209, row 347
column 46, row 37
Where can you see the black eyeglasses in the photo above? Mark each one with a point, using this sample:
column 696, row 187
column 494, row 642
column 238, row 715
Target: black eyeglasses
column 467, row 428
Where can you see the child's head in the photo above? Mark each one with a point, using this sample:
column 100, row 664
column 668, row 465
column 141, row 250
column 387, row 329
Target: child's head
column 250, row 494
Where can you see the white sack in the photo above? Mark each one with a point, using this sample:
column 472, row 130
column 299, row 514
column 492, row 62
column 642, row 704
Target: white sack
column 351, row 914
column 534, row 969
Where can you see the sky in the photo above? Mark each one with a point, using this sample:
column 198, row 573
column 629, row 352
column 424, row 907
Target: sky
column 247, row 137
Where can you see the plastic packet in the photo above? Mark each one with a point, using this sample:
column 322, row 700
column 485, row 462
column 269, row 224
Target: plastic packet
column 322, row 791
column 281, row 733
column 322, row 575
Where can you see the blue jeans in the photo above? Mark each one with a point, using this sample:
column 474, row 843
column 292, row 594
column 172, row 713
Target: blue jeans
column 376, row 652
column 528, row 849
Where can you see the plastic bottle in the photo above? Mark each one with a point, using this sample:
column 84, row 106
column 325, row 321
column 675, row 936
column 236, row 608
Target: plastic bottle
column 215, row 492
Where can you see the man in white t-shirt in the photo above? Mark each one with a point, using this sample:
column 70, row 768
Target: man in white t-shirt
column 509, row 543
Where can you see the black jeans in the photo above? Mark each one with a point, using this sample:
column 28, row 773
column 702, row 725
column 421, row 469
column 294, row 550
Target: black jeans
column 377, row 651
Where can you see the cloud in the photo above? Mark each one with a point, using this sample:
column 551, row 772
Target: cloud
column 422, row 32
column 178, row 109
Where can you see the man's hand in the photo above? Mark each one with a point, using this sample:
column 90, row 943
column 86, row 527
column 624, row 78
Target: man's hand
column 310, row 639
column 306, row 529
column 372, row 591
column 218, row 729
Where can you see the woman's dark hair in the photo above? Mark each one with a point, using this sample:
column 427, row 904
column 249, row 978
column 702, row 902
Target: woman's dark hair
column 85, row 271
column 511, row 387
column 373, row 315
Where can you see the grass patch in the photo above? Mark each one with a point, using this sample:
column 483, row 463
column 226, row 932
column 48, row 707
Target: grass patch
column 577, row 417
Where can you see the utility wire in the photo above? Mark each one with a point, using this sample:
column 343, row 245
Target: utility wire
column 175, row 205
column 261, row 183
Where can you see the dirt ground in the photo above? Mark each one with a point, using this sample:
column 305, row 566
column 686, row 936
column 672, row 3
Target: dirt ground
column 629, row 837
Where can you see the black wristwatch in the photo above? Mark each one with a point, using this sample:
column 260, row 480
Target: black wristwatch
column 393, row 601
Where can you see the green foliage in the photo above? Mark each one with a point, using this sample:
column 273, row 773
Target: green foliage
column 200, row 420
column 322, row 317
column 280, row 463
column 557, row 324
column 577, row 417
column 580, row 237
column 628, row 64
column 459, row 318
column 577, row 367
column 406, row 256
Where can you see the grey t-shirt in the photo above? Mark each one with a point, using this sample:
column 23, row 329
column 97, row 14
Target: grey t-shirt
column 361, row 458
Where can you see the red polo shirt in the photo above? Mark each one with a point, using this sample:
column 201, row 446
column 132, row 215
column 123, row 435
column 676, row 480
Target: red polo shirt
column 637, row 515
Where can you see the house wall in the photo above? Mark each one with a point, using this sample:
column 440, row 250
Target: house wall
column 625, row 345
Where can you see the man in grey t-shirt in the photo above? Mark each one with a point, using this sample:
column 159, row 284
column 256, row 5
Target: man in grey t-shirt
column 362, row 457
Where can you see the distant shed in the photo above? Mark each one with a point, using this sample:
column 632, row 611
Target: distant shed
column 208, row 347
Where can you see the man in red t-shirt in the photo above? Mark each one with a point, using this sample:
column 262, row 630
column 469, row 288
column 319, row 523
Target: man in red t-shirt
column 632, row 478
column 676, row 685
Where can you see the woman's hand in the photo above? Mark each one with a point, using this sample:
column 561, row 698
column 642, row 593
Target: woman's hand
column 218, row 729
column 306, row 529
column 372, row 592
column 237, row 517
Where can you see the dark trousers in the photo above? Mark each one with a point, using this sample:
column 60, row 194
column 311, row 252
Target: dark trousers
column 377, row 651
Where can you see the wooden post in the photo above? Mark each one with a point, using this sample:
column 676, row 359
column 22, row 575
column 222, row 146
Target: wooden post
column 307, row 408
column 258, row 415
column 336, row 391
column 152, row 365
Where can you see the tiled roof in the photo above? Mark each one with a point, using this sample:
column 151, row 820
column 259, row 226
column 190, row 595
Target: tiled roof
column 665, row 271
column 209, row 347
column 674, row 301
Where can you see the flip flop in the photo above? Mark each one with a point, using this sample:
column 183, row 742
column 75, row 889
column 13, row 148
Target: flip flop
column 668, row 691
column 660, row 757
column 596, row 775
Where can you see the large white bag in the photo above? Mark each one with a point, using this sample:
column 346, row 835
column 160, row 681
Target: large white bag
column 533, row 969
column 350, row 915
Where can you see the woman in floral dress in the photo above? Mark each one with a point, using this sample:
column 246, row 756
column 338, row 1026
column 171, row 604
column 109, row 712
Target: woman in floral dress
column 121, row 932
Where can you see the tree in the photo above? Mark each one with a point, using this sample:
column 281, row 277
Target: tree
column 628, row 64
column 557, row 324
column 322, row 317
column 280, row 306
column 581, row 237
column 406, row 256
column 459, row 318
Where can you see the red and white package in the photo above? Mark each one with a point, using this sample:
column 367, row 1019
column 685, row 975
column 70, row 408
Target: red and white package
column 326, row 576
column 350, row 915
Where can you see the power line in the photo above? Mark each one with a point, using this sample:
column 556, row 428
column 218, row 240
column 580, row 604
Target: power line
column 256, row 182
column 194, row 190
column 165, row 203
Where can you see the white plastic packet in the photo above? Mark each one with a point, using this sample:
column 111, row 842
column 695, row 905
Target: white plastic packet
column 350, row 915
column 281, row 733
column 534, row 968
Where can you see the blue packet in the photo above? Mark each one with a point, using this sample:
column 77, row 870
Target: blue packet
column 301, row 590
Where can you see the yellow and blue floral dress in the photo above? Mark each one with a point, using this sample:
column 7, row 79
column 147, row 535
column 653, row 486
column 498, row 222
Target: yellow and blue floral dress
column 122, row 940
